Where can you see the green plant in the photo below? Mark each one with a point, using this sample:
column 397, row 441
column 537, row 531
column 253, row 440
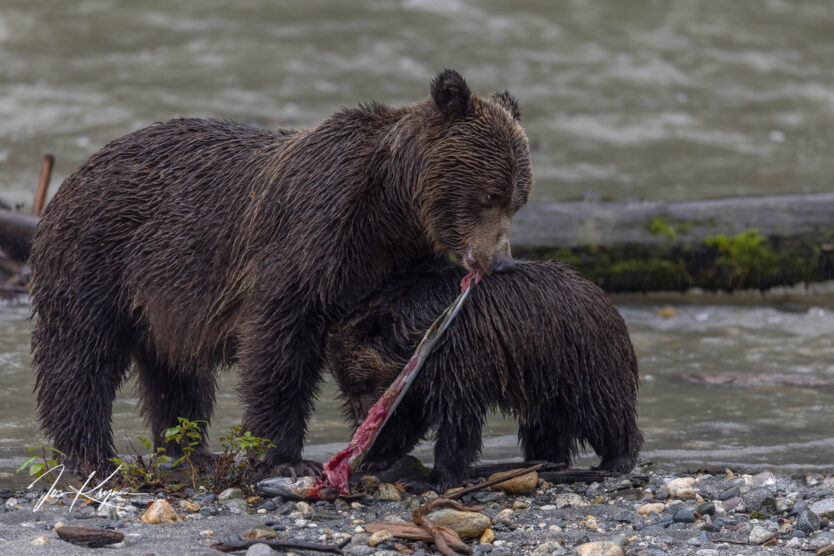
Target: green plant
column 43, row 463
column 188, row 435
column 240, row 448
column 136, row 471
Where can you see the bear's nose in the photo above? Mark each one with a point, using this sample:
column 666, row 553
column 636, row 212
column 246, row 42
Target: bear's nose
column 505, row 263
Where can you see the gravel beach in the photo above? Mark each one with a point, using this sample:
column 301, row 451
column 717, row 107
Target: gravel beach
column 647, row 514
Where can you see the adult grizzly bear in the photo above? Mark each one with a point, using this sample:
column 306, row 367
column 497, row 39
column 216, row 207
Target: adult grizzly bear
column 194, row 244
column 543, row 344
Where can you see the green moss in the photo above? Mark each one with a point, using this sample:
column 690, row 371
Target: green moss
column 743, row 257
column 661, row 227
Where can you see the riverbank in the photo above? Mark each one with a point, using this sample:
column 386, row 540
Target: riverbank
column 649, row 514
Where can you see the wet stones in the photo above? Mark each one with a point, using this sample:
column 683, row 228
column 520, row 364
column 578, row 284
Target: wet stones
column 760, row 500
column 519, row 485
column 759, row 535
column 824, row 508
column 681, row 488
column 466, row 524
column 654, row 507
column 388, row 493
column 599, row 548
column 684, row 516
column 732, row 492
column 159, row 512
column 808, row 522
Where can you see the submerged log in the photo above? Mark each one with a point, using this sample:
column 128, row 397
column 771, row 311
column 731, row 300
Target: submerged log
column 721, row 244
column 16, row 231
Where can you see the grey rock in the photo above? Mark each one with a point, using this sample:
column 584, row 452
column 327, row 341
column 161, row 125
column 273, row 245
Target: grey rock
column 824, row 508
column 821, row 540
column 237, row 506
column 230, row 494
column 729, row 493
column 759, row 534
column 684, row 516
column 260, row 549
column 621, row 540
column 359, row 549
column 808, row 522
column 706, row 508
column 760, row 500
column 734, row 504
column 547, row 549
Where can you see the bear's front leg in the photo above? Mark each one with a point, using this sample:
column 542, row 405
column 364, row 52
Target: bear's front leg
column 280, row 370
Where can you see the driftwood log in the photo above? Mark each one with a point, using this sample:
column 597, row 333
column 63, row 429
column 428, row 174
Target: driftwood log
column 726, row 244
column 721, row 244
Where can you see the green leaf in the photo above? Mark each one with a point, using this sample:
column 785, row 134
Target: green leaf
column 28, row 462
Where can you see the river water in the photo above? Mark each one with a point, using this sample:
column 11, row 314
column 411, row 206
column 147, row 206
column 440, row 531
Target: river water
column 658, row 99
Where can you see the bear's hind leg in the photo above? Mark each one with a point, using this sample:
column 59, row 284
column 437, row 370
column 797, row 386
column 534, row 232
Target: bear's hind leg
column 547, row 440
column 168, row 392
column 618, row 449
column 80, row 356
column 398, row 437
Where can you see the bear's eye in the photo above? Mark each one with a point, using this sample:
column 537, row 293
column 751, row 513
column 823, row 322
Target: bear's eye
column 491, row 198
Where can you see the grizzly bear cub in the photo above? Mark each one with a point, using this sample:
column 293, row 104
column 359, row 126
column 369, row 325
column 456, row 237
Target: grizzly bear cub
column 193, row 245
column 542, row 344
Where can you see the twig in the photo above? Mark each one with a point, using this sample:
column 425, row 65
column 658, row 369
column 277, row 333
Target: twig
column 43, row 184
column 283, row 544
column 420, row 515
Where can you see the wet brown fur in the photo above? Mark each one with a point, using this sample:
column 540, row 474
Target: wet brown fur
column 192, row 245
column 542, row 344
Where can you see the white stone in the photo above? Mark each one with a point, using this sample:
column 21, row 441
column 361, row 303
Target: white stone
column 682, row 488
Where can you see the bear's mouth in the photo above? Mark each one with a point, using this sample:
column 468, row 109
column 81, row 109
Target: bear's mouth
column 470, row 262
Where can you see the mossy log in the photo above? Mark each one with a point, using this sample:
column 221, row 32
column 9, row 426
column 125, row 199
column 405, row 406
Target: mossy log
column 721, row 244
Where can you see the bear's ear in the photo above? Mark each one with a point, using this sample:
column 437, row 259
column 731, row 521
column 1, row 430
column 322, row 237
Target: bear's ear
column 450, row 93
column 509, row 102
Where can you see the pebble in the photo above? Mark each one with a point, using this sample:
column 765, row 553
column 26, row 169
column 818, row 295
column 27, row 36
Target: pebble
column 504, row 517
column 684, row 516
column 656, row 507
column 260, row 549
column 466, row 524
column 521, row 505
column 388, row 493
column 160, row 512
column 569, row 499
column 824, row 508
column 731, row 492
column 760, row 500
column 759, row 534
column 681, row 488
column 808, row 521
column 706, row 508
column 11, row 504
column 380, row 537
column 260, row 532
column 599, row 548
column 488, row 536
column 519, row 485
column 40, row 541
column 734, row 504
column 230, row 494
column 548, row 548
column 237, row 506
